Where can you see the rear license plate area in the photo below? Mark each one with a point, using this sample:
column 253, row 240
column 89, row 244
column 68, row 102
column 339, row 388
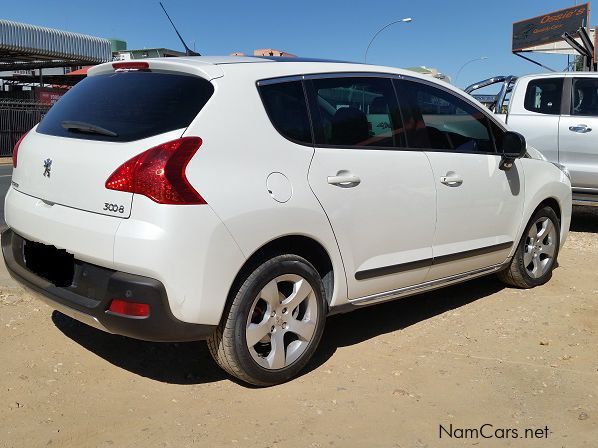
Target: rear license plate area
column 55, row 265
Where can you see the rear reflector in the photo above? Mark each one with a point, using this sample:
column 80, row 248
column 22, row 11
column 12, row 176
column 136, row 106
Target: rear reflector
column 118, row 306
column 159, row 173
column 15, row 151
column 130, row 66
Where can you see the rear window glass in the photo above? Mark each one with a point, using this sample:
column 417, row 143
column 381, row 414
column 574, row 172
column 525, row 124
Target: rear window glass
column 127, row 106
column 286, row 107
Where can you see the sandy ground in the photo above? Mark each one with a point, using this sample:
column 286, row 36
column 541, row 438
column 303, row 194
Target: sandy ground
column 387, row 376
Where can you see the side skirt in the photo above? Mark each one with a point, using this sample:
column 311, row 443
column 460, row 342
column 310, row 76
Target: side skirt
column 416, row 289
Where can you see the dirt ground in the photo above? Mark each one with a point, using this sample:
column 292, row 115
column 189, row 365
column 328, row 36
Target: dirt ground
column 521, row 363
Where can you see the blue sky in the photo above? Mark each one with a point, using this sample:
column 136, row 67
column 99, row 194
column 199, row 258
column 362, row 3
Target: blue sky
column 443, row 34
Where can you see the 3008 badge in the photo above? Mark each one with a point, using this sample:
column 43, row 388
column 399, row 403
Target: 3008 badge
column 114, row 207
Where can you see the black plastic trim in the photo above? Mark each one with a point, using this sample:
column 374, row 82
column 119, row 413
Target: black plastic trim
column 567, row 96
column 393, row 269
column 92, row 290
column 418, row 264
column 472, row 253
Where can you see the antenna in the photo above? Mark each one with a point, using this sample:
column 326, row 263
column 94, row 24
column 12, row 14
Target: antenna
column 188, row 51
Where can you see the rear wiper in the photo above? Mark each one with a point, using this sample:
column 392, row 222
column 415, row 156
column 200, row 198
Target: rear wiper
column 80, row 126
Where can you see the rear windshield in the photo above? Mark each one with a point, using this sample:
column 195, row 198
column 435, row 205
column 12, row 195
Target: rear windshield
column 127, row 106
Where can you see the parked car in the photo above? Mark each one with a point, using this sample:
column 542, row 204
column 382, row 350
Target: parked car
column 242, row 200
column 558, row 114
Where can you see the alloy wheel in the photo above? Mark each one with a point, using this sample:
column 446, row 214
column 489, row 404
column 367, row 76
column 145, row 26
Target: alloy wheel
column 540, row 247
column 282, row 321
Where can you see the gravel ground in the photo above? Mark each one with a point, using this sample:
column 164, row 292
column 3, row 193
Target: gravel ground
column 402, row 374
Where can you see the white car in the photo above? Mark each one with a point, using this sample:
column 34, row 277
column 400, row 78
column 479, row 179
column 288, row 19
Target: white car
column 242, row 200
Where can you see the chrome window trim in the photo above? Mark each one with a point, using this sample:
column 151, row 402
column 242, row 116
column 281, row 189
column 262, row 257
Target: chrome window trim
column 463, row 96
column 324, row 75
column 436, row 84
column 280, row 80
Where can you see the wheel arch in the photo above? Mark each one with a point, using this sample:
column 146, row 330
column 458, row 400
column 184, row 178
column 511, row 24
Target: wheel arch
column 553, row 203
column 301, row 245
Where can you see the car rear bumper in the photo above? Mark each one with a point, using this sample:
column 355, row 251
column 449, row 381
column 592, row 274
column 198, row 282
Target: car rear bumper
column 88, row 298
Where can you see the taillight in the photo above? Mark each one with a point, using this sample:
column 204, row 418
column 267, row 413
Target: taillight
column 133, row 309
column 159, row 173
column 15, row 151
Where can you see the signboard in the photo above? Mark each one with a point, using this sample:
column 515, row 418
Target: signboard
column 561, row 47
column 549, row 27
column 48, row 96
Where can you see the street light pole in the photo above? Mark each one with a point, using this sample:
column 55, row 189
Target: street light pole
column 482, row 58
column 405, row 20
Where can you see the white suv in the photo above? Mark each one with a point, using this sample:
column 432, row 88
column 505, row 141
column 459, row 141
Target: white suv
column 242, row 200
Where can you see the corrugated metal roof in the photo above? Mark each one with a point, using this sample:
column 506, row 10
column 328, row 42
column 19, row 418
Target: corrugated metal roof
column 23, row 43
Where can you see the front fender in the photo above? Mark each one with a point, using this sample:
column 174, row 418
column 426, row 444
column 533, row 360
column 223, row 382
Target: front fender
column 544, row 181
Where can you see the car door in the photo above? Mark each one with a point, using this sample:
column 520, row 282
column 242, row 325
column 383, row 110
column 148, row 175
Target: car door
column 379, row 197
column 534, row 111
column 479, row 206
column 578, row 136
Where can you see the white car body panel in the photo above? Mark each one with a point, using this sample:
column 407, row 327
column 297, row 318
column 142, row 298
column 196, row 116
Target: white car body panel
column 250, row 213
column 88, row 236
column 394, row 185
column 493, row 196
column 544, row 180
column 581, row 153
column 153, row 242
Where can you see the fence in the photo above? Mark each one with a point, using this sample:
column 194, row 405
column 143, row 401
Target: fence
column 16, row 118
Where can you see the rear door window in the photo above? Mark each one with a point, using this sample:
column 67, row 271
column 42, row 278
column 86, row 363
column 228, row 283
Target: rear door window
column 287, row 109
column 356, row 112
column 127, row 106
column 585, row 97
column 543, row 96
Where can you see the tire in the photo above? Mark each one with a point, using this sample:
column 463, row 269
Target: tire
column 274, row 323
column 536, row 255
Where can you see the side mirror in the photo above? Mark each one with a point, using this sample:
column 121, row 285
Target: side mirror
column 513, row 147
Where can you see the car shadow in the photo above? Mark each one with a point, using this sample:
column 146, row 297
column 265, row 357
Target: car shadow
column 191, row 363
column 363, row 324
column 168, row 362
column 584, row 219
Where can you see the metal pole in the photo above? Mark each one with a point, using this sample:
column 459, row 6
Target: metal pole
column 405, row 20
column 481, row 58
column 534, row 62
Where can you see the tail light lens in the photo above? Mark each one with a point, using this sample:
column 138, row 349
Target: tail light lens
column 15, row 151
column 133, row 309
column 125, row 66
column 159, row 173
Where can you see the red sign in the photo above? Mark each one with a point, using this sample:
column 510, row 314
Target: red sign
column 48, row 96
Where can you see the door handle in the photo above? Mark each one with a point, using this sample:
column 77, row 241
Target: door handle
column 453, row 180
column 344, row 179
column 581, row 128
